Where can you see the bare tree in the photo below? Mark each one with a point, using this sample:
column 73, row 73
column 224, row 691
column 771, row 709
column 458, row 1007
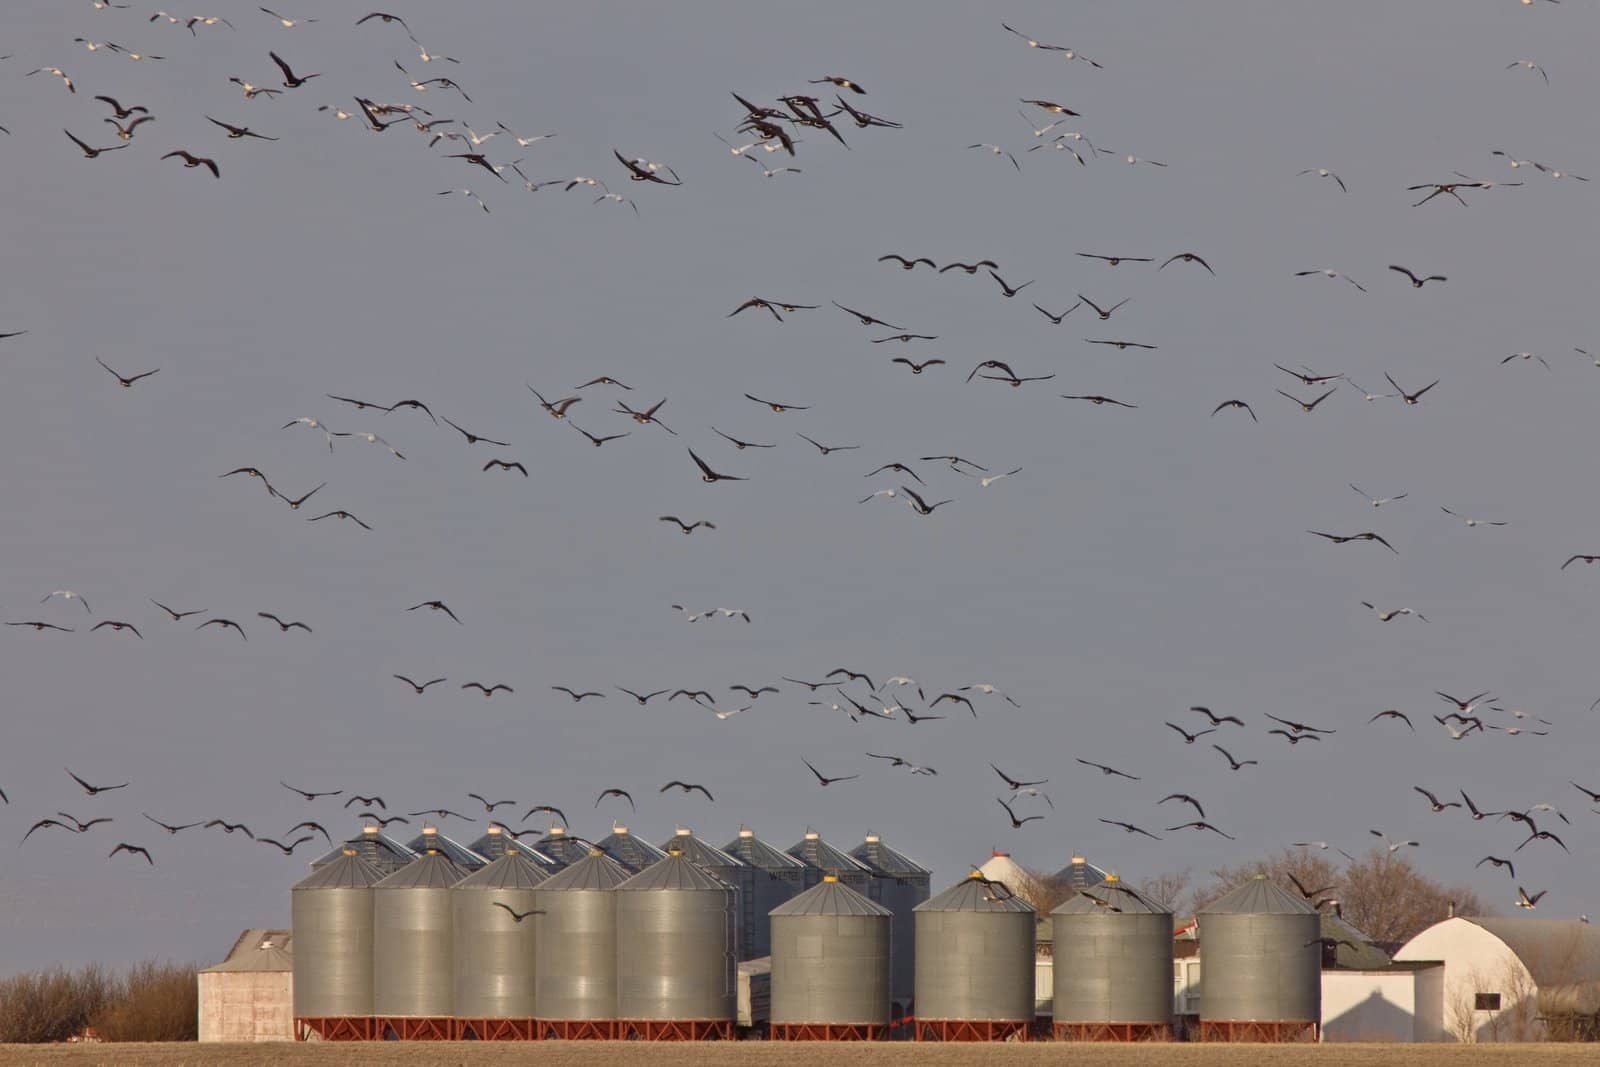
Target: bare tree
column 1045, row 892
column 1168, row 889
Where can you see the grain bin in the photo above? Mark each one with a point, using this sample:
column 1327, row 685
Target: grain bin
column 822, row 858
column 412, row 987
column 900, row 884
column 576, row 968
column 726, row 868
column 496, row 841
column 431, row 840
column 1079, row 873
column 495, row 928
column 562, row 847
column 373, row 845
column 778, row 876
column 1261, row 965
column 975, row 963
column 634, row 853
column 331, row 916
column 675, row 953
column 830, row 966
column 1113, row 965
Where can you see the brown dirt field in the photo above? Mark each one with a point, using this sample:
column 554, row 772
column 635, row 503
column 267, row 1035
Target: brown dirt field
column 796, row 1054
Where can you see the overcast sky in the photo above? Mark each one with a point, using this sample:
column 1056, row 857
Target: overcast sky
column 1142, row 561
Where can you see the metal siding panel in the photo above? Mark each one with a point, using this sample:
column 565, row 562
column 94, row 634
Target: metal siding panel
column 412, row 947
column 975, row 966
column 576, row 954
column 675, row 953
column 830, row 969
column 1114, row 968
column 494, row 955
column 1261, row 967
column 333, row 944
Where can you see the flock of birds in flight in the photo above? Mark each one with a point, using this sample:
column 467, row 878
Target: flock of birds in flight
column 765, row 132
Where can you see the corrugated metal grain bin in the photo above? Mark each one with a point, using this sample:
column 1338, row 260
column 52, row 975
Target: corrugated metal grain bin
column 1113, row 957
column 634, row 853
column 411, row 956
column 726, row 868
column 576, row 972
column 779, row 876
column 822, row 858
column 675, row 944
column 331, row 916
column 900, row 885
column 830, row 959
column 373, row 845
column 1260, row 956
column 975, row 955
column 431, row 840
column 496, row 939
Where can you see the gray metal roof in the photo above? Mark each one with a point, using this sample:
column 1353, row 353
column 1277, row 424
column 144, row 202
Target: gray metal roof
column 386, row 853
column 634, row 853
column 1114, row 896
column 1080, row 873
column 1366, row 956
column 594, row 871
column 497, row 841
column 562, row 846
column 757, row 853
column 459, row 854
column 345, row 871
column 880, row 857
column 1257, row 896
column 830, row 897
column 970, row 894
column 815, row 852
column 258, row 950
column 431, row 871
column 674, row 872
column 700, row 852
column 511, row 871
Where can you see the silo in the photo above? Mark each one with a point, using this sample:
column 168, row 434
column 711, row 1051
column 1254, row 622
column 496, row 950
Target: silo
column 331, row 916
column 576, row 963
column 373, row 845
column 495, row 929
column 1261, row 966
column 975, row 964
column 1113, row 974
column 496, row 841
column 634, row 853
column 412, row 980
column 830, row 966
column 900, row 884
column 676, row 953
column 778, row 876
column 562, row 847
column 431, row 840
column 726, row 868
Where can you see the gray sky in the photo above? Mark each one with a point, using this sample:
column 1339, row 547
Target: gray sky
column 1144, row 560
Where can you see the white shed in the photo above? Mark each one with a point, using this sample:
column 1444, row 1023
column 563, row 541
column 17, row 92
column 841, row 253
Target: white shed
column 1513, row 979
column 249, row 996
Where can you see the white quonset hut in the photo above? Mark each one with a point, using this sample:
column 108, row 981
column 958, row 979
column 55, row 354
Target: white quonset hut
column 1513, row 979
column 249, row 996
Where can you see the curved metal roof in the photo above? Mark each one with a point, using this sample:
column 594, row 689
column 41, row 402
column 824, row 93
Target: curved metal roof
column 1557, row 952
column 511, row 871
column 813, row 851
column 595, row 871
column 674, row 872
column 1257, row 896
column 1113, row 896
column 700, row 852
column 431, row 871
column 970, row 894
column 830, row 897
column 757, row 853
column 880, row 857
column 634, row 853
column 346, row 871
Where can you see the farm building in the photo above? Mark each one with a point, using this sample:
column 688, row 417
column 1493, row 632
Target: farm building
column 1513, row 979
column 249, row 996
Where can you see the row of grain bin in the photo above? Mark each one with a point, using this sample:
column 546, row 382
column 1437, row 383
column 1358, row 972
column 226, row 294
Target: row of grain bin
column 431, row 951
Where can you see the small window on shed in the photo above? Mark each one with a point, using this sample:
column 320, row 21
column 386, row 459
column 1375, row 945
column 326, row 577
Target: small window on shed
column 1486, row 1002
